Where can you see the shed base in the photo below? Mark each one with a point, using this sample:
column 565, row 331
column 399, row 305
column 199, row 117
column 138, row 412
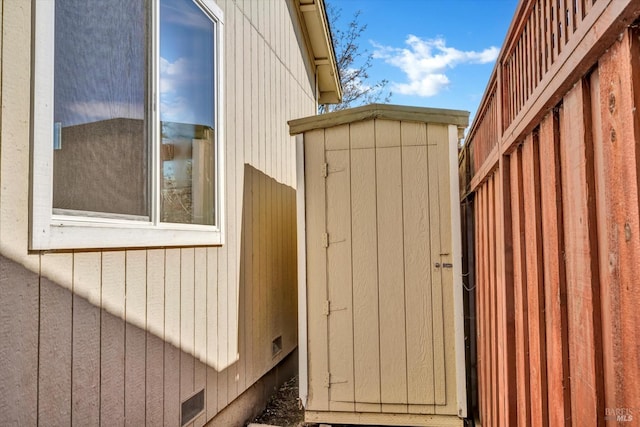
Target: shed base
column 382, row 419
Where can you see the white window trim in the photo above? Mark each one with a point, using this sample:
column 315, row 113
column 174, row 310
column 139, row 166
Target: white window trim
column 49, row 231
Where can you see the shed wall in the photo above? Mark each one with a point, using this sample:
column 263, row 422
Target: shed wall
column 555, row 189
column 381, row 338
column 126, row 335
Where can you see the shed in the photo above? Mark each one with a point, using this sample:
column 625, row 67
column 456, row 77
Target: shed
column 380, row 288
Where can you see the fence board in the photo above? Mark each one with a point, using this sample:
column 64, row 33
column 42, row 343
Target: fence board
column 495, row 418
column 480, row 331
column 520, row 290
column 583, row 292
column 618, row 188
column 535, row 294
column 554, row 274
column 569, row 214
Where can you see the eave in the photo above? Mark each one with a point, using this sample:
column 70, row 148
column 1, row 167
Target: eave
column 315, row 26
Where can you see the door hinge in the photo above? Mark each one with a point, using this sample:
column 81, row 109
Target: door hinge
column 329, row 380
column 326, row 308
column 325, row 240
column 325, row 169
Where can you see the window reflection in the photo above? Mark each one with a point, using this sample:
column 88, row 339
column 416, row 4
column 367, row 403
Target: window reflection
column 186, row 113
column 100, row 81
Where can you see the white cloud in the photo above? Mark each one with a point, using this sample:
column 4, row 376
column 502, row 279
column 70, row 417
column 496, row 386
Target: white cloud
column 354, row 80
column 425, row 63
column 175, row 79
column 174, row 75
column 189, row 17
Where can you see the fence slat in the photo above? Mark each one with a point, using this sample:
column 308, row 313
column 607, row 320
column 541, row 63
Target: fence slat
column 558, row 224
column 618, row 191
column 520, row 291
column 535, row 294
column 554, row 274
column 583, row 293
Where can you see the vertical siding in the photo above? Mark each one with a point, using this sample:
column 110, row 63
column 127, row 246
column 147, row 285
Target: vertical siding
column 572, row 165
column 123, row 336
column 380, row 311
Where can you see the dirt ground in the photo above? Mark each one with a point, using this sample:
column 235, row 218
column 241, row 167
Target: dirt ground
column 283, row 408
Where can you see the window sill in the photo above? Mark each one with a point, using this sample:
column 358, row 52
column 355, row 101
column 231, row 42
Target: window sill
column 63, row 234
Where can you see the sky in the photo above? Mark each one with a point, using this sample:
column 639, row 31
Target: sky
column 186, row 63
column 435, row 53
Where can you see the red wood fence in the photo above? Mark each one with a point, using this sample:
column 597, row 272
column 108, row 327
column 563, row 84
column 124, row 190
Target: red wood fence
column 550, row 181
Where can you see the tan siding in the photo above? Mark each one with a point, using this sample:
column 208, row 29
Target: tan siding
column 383, row 348
column 112, row 345
column 393, row 350
column 135, row 361
column 415, row 200
column 315, row 205
column 54, row 373
column 339, row 276
column 154, row 391
column 365, row 280
column 439, row 244
column 85, row 369
column 172, row 337
column 135, row 342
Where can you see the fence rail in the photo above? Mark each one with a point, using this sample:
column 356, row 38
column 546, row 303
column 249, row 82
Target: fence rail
column 550, row 177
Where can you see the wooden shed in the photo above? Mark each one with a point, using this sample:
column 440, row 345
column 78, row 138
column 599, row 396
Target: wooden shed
column 380, row 298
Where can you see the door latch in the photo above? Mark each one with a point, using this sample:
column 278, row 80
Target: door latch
column 443, row 265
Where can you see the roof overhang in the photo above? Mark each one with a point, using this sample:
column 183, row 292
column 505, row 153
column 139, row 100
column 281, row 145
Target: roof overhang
column 315, row 26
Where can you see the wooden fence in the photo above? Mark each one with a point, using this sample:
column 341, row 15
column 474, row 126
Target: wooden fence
column 550, row 183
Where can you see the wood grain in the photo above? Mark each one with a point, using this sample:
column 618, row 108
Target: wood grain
column 339, row 277
column 583, row 291
column 614, row 95
column 520, row 289
column 85, row 386
column 365, row 277
column 535, row 290
column 393, row 347
column 19, row 293
column 418, row 265
column 112, row 338
column 555, row 291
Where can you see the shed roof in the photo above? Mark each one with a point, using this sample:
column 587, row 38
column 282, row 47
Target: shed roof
column 380, row 111
column 316, row 28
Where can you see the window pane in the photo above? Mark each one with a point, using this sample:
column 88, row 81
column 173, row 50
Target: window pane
column 187, row 113
column 100, row 155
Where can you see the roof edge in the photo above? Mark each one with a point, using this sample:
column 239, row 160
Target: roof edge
column 380, row 111
column 313, row 18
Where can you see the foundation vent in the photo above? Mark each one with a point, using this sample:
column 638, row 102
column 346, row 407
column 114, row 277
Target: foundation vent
column 192, row 407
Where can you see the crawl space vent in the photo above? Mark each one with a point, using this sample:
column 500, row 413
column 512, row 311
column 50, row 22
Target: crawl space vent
column 192, row 407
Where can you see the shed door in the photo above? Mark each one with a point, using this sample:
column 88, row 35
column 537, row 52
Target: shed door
column 388, row 269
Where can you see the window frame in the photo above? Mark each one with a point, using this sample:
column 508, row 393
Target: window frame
column 54, row 231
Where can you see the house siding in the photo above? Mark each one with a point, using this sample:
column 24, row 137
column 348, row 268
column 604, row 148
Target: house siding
column 124, row 336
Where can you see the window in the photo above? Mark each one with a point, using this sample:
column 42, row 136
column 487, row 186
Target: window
column 127, row 142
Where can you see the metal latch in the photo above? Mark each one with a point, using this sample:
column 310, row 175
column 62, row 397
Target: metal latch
column 444, row 265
